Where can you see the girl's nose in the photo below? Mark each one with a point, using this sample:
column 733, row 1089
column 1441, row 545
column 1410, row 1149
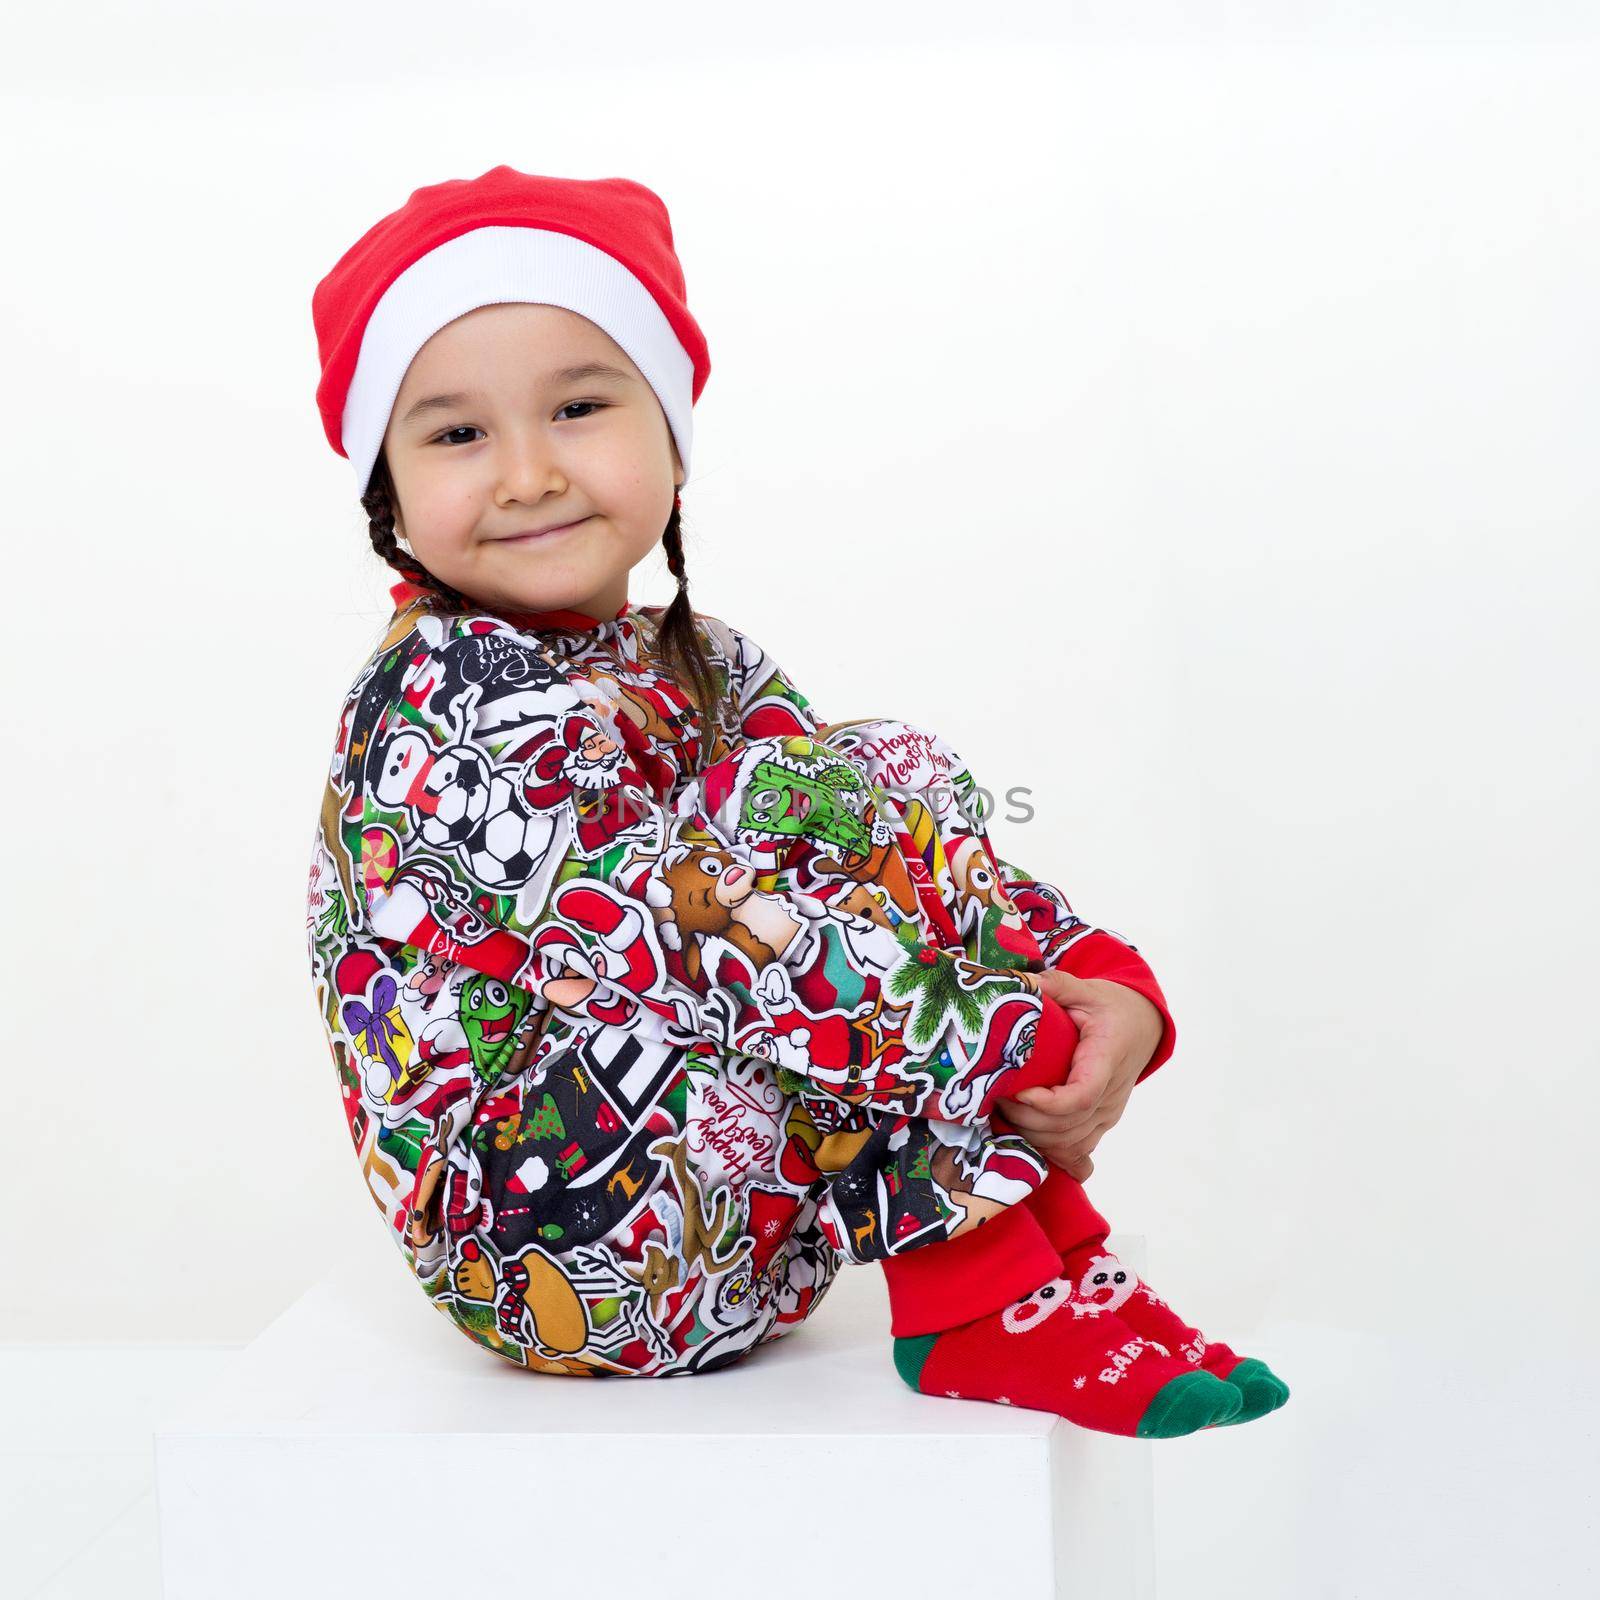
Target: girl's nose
column 527, row 471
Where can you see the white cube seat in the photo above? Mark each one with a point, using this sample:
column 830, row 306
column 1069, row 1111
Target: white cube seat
column 362, row 1441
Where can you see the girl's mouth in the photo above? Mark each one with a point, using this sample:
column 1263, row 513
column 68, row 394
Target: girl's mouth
column 544, row 533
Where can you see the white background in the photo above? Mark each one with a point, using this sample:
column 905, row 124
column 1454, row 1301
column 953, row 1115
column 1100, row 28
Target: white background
column 1192, row 417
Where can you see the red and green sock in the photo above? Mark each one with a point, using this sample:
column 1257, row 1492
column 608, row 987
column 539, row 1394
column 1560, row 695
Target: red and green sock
column 1101, row 1278
column 991, row 1315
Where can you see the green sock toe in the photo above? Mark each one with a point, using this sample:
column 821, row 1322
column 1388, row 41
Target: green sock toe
column 1187, row 1403
column 1261, row 1388
column 909, row 1356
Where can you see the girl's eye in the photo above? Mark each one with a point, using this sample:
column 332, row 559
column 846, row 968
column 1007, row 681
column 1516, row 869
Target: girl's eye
column 592, row 405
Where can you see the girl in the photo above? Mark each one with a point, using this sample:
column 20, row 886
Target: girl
column 653, row 999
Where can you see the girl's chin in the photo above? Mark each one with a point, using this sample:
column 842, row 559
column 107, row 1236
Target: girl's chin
column 510, row 561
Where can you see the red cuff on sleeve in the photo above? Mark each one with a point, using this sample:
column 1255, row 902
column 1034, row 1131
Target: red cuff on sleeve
column 1055, row 1037
column 1101, row 955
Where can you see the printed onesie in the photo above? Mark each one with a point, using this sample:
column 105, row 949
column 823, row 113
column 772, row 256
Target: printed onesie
column 644, row 1027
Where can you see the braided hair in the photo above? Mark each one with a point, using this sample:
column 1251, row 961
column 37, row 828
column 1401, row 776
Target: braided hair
column 680, row 640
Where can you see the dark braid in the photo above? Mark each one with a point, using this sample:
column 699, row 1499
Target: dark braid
column 680, row 640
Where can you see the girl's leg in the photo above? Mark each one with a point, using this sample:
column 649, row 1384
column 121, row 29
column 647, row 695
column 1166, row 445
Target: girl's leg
column 967, row 1276
column 946, row 1178
column 890, row 1185
column 988, row 1307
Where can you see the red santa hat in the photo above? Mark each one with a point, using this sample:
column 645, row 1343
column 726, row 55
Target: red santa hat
column 601, row 247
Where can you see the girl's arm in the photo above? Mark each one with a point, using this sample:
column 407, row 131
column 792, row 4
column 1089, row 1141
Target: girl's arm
column 769, row 702
column 500, row 828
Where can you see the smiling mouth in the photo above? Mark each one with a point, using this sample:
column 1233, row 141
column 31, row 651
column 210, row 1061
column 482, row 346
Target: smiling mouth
column 548, row 533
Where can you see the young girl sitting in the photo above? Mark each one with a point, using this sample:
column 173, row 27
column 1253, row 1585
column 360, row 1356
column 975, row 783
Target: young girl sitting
column 653, row 999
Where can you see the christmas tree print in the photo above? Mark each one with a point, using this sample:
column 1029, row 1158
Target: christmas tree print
column 938, row 988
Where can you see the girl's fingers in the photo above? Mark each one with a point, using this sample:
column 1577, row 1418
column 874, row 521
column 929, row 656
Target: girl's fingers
column 1084, row 1145
column 1036, row 1117
column 1076, row 1097
column 1089, row 1073
column 1067, row 988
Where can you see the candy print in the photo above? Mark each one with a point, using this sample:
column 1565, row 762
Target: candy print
column 380, row 857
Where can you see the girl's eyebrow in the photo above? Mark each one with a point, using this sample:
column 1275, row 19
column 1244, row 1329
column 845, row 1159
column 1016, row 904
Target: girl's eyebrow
column 578, row 374
column 590, row 369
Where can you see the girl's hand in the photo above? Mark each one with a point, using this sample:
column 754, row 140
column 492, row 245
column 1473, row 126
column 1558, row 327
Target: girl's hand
column 1119, row 1031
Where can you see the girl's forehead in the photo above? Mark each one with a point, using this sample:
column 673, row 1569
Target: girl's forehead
column 513, row 341
column 530, row 325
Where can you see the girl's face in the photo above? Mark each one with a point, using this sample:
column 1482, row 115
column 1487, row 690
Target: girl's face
column 492, row 437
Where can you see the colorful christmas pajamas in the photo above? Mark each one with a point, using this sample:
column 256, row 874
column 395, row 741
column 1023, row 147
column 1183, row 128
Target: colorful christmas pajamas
column 642, row 1027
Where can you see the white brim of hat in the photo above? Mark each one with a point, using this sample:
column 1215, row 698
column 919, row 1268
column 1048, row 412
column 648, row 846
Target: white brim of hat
column 503, row 265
